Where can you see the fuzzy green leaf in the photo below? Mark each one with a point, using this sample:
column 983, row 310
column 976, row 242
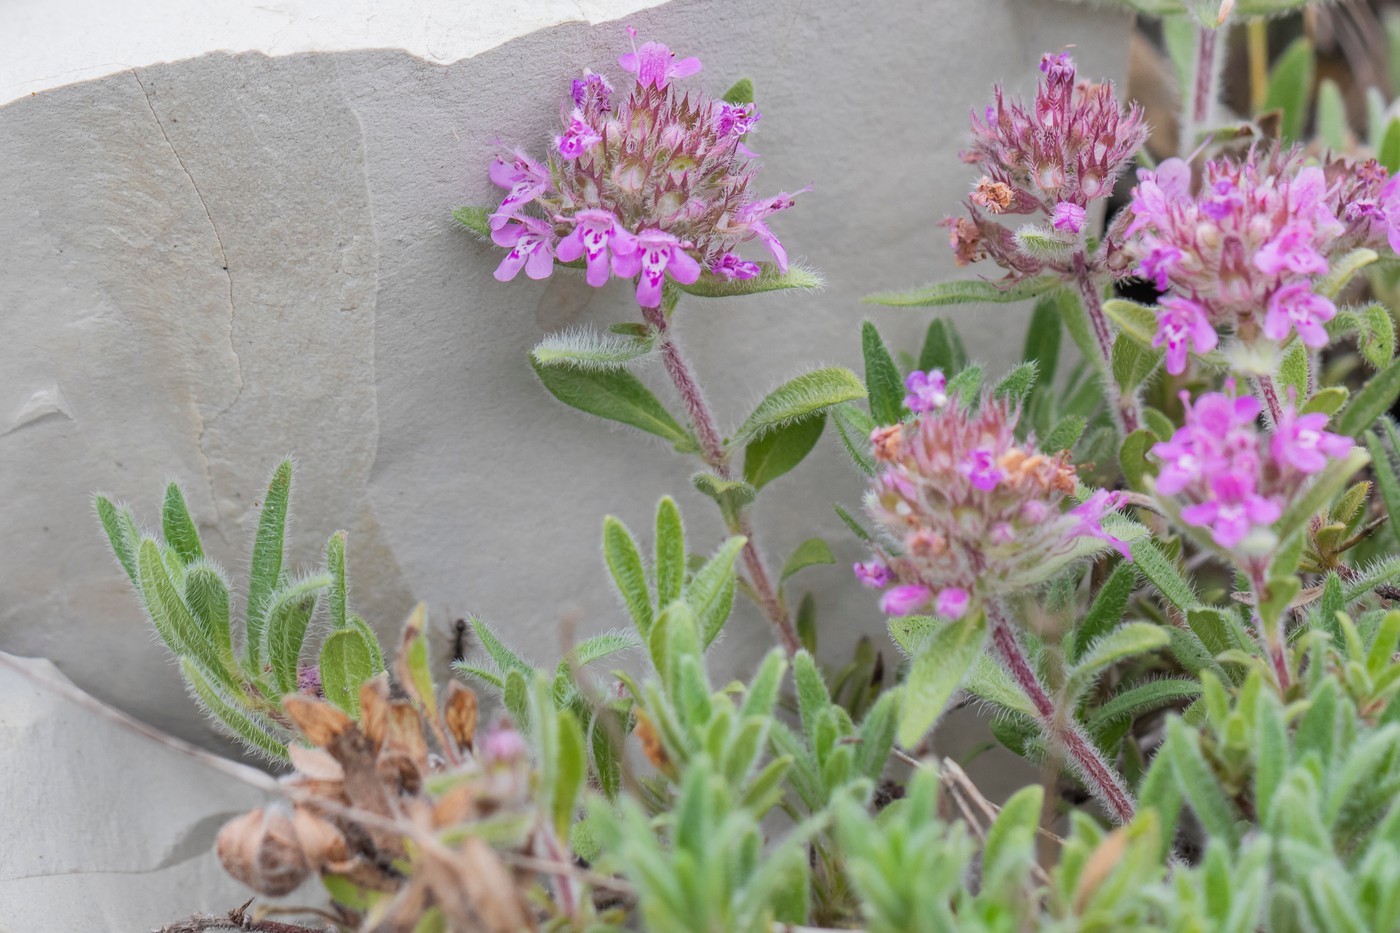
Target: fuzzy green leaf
column 615, row 395
column 506, row 660
column 801, row 398
column 812, row 698
column 206, row 595
column 571, row 769
column 178, row 527
column 629, row 576
column 172, row 618
column 769, row 279
column 1387, row 478
column 740, row 93
column 942, row 349
column 1389, row 154
column 1043, row 334
column 347, row 661
column 1135, row 702
column 1328, row 401
column 882, row 379
column 1107, row 609
column 851, row 427
column 1132, row 457
column 587, row 349
column 1064, row 435
column 809, row 553
column 1136, row 322
column 965, row 386
column 856, row 527
column 236, row 718
column 1290, row 88
column 122, row 534
column 1331, row 115
column 937, row 672
column 288, row 613
column 1319, row 494
column 1132, row 364
column 336, row 595
column 731, row 494
column 710, row 593
column 778, row 451
column 1343, row 269
column 265, row 574
column 1293, row 369
column 670, row 552
column 1121, row 643
column 1017, row 384
column 475, row 219
column 966, row 292
column 1197, row 784
column 1162, row 573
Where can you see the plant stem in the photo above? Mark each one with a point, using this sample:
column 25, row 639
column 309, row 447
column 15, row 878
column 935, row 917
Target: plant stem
column 1204, row 88
column 1271, row 633
column 1098, row 775
column 1269, row 392
column 713, row 451
column 1124, row 410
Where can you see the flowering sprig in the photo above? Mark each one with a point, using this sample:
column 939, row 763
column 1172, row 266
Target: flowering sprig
column 653, row 184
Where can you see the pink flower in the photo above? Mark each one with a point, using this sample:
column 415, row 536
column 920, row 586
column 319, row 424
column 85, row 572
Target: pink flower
column 653, row 65
column 952, row 602
column 657, row 254
column 730, row 266
column 873, row 574
column 525, row 178
column 1233, row 510
column 1301, row 441
column 1158, row 264
column 1091, row 514
column 595, row 232
column 737, row 119
column 531, row 244
column 926, row 390
column 1182, row 324
column 1295, row 306
column 1068, row 217
column 754, row 214
column 592, row 89
column 979, row 467
column 578, row 137
column 1291, row 251
column 503, row 745
column 902, row 600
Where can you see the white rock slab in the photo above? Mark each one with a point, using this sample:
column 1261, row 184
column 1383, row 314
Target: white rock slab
column 102, row 828
column 214, row 262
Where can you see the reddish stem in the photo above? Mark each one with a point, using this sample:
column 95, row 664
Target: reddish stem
column 1125, row 410
column 1098, row 775
column 1269, row 391
column 717, row 457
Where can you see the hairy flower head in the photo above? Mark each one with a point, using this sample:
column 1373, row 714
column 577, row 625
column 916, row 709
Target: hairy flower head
column 969, row 511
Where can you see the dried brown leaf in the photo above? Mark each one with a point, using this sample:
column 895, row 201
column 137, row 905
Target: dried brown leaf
column 318, row 721
column 459, row 710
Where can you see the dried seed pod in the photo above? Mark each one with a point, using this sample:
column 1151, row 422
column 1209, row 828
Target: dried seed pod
column 321, row 842
column 459, row 710
column 318, row 720
column 405, row 734
column 261, row 849
column 315, row 765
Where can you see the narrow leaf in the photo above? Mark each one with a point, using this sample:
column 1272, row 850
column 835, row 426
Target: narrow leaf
column 800, row 398
column 769, row 279
column 809, row 553
column 266, row 572
column 937, row 672
column 475, row 219
column 1107, row 609
column 335, row 566
column 1290, row 88
column 629, row 576
column 241, row 723
column 1371, row 401
column 588, row 349
column 178, row 527
column 778, row 451
column 347, row 661
column 289, row 613
column 670, row 552
column 122, row 534
column 854, row 426
column 966, row 292
column 942, row 349
column 615, row 395
column 882, row 380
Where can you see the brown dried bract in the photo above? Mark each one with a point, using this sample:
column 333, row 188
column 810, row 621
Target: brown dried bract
column 319, row 721
column 459, row 710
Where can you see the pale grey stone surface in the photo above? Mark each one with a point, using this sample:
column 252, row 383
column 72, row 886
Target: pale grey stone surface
column 103, row 829
column 218, row 261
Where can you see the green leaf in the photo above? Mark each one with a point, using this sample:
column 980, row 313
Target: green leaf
column 856, row 527
column 1017, row 384
column 475, row 219
column 882, row 380
column 1010, row 842
column 942, row 349
column 412, row 666
column 242, row 723
column 1328, row 401
column 1331, row 116
column 1387, row 479
column 1319, row 494
column 1135, row 702
column 1389, row 154
column 506, row 659
column 629, row 576
column 122, row 534
column 673, row 637
column 335, row 566
column 180, row 531
column 1343, row 269
column 1121, row 643
column 877, row 731
column 851, row 427
column 1042, row 346
column 710, row 592
column 587, row 349
column 1107, row 609
column 1162, row 573
column 289, row 612
column 1135, row 321
column 670, row 552
column 1328, row 605
column 363, row 627
column 809, row 553
column 172, row 618
column 1197, row 784
column 731, row 494
column 936, row 673
column 206, row 595
column 1293, row 369
column 966, row 292
column 1132, row 458
column 615, row 395
column 266, row 572
column 1064, row 434
column 1290, row 88
column 812, row 698
column 966, row 385
column 769, row 279
column 778, row 451
column 1132, row 364
column 570, row 771
column 806, row 622
column 800, row 398
column 347, row 661
column 740, row 93
column 1158, row 423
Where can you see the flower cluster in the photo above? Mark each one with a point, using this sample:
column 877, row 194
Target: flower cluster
column 970, row 511
column 1053, row 159
column 1235, row 480
column 652, row 184
column 1244, row 251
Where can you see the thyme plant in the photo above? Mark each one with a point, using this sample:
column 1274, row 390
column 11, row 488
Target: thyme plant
column 1165, row 569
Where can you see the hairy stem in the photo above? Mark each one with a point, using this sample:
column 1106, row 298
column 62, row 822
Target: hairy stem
column 717, row 457
column 1200, row 112
column 1098, row 775
column 1271, row 633
column 1124, row 408
column 1268, row 391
